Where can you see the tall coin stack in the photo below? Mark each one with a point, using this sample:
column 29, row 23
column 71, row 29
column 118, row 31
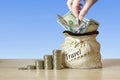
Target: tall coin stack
column 48, row 62
column 39, row 64
column 57, row 59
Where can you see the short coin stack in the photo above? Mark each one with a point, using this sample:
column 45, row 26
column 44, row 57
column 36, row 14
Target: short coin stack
column 30, row 67
column 48, row 62
column 39, row 64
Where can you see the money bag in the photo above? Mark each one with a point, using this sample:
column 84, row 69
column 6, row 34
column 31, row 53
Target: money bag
column 81, row 50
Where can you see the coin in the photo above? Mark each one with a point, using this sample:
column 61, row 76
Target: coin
column 48, row 62
column 39, row 64
column 57, row 59
column 22, row 68
column 30, row 67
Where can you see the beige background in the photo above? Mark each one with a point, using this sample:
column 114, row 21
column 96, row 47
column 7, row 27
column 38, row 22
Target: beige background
column 9, row 71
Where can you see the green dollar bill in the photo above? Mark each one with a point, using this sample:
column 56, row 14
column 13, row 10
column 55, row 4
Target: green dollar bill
column 72, row 24
column 64, row 23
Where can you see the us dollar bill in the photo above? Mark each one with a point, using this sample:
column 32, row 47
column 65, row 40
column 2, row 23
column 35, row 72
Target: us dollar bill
column 71, row 23
column 92, row 26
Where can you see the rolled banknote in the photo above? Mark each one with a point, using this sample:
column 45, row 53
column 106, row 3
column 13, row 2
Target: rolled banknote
column 72, row 24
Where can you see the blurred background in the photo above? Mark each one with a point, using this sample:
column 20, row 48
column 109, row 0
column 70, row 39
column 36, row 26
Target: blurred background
column 29, row 28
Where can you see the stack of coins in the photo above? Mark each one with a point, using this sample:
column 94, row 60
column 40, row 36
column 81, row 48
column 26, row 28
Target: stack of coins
column 22, row 68
column 48, row 62
column 30, row 67
column 57, row 59
column 39, row 64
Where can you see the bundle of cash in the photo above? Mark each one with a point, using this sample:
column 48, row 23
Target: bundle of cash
column 72, row 24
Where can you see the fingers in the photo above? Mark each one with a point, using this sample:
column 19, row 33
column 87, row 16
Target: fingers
column 73, row 6
column 88, row 4
column 69, row 4
column 83, row 12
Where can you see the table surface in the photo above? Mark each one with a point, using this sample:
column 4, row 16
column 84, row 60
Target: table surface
column 9, row 71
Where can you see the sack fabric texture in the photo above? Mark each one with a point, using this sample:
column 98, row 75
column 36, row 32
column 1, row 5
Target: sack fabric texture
column 81, row 50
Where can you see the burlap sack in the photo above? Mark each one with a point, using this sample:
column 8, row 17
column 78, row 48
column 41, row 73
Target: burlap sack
column 81, row 50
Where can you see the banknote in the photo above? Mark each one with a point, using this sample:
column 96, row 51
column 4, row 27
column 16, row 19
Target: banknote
column 72, row 24
column 63, row 22
column 92, row 26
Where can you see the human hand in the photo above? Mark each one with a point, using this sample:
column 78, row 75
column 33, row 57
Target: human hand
column 78, row 9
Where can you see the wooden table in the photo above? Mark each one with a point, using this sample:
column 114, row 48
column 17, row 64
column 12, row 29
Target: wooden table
column 9, row 71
